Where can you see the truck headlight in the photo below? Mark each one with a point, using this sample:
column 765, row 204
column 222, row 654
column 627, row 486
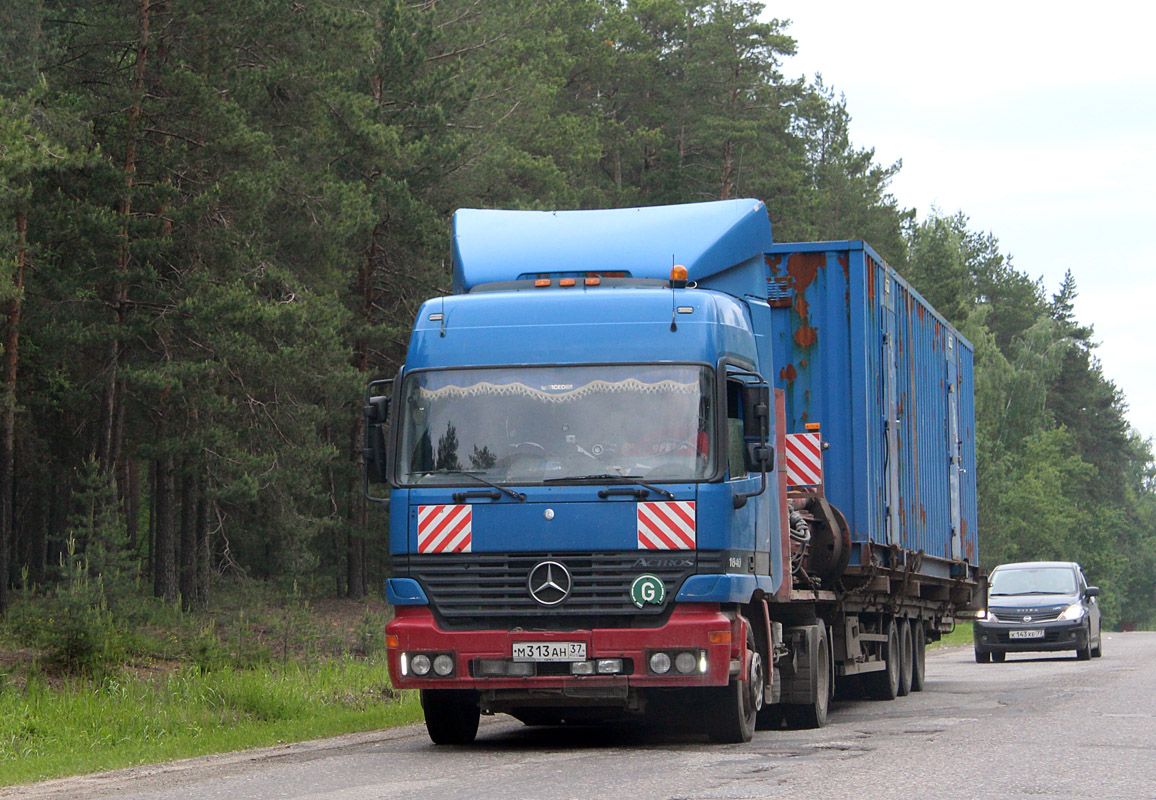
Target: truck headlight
column 420, row 664
column 659, row 663
column 443, row 665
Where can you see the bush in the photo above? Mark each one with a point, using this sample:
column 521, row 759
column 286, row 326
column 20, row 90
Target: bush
column 83, row 639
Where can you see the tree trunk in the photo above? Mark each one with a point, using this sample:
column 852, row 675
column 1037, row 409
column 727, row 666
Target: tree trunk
column 188, row 554
column 108, row 446
column 165, row 549
column 728, row 171
column 204, row 556
column 355, row 574
column 130, row 499
column 356, row 580
column 8, row 417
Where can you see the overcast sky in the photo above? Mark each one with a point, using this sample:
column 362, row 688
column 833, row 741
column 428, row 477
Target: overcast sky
column 1037, row 120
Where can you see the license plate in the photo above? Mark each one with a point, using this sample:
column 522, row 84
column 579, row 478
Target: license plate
column 1036, row 634
column 549, row 651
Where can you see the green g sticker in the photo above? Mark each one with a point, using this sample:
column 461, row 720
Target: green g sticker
column 647, row 589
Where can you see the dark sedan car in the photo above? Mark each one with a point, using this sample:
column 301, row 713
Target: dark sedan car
column 1038, row 606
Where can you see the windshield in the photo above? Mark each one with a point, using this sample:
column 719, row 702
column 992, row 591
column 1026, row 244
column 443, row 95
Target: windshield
column 1035, row 580
column 537, row 424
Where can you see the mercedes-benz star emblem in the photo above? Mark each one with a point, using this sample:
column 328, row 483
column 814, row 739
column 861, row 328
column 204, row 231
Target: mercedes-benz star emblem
column 549, row 583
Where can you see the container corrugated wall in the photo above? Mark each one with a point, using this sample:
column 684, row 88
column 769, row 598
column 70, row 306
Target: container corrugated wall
column 858, row 351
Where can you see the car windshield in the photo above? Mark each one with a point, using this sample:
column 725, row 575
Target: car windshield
column 553, row 424
column 1033, row 580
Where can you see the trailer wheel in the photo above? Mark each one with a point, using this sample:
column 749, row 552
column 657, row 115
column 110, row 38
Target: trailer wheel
column 451, row 715
column 884, row 684
column 731, row 710
column 814, row 714
column 906, row 657
column 919, row 659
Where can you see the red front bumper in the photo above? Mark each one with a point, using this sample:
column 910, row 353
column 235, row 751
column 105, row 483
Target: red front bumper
column 691, row 627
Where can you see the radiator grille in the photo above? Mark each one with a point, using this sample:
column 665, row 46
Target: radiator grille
column 1018, row 614
column 476, row 590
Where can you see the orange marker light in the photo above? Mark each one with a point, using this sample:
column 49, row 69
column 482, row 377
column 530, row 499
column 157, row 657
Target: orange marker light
column 593, row 281
column 719, row 637
column 566, row 282
column 542, row 282
column 812, row 426
column 391, row 640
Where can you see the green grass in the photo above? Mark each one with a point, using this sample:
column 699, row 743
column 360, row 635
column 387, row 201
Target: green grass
column 957, row 638
column 81, row 726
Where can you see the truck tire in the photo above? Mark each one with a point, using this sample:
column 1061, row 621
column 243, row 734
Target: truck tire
column 804, row 716
column 731, row 710
column 884, row 684
column 451, row 715
column 919, row 656
column 906, row 657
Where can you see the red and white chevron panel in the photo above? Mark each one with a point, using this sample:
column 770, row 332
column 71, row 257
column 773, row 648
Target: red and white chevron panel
column 804, row 459
column 444, row 529
column 666, row 526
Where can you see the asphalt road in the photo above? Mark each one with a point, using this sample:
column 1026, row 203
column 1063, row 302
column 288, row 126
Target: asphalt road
column 1033, row 727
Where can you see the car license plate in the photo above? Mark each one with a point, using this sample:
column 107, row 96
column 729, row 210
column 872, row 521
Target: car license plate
column 1033, row 634
column 549, row 651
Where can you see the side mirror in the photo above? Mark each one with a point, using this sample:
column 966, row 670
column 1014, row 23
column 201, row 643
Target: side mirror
column 376, row 418
column 377, row 410
column 760, row 456
column 1092, row 591
column 757, row 410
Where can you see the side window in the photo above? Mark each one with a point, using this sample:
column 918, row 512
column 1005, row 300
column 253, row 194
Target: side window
column 736, row 447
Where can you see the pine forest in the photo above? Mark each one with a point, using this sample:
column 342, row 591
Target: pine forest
column 217, row 220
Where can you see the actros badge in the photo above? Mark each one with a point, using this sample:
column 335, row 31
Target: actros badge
column 647, row 589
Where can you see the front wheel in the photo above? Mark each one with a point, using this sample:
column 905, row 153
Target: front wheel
column 1084, row 653
column 451, row 715
column 732, row 709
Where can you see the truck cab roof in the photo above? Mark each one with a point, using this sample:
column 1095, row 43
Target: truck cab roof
column 721, row 244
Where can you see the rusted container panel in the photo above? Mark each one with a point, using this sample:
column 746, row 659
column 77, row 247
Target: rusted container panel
column 890, row 382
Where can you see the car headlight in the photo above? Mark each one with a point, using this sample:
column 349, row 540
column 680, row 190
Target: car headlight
column 1073, row 612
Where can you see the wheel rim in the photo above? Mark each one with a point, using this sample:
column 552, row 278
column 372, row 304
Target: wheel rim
column 753, row 697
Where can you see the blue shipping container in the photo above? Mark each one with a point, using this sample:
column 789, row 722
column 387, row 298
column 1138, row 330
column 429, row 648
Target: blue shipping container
column 890, row 382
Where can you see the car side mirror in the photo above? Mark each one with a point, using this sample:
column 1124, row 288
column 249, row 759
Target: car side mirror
column 1092, row 591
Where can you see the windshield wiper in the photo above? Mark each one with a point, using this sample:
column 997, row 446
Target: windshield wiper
column 619, row 478
column 516, row 495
